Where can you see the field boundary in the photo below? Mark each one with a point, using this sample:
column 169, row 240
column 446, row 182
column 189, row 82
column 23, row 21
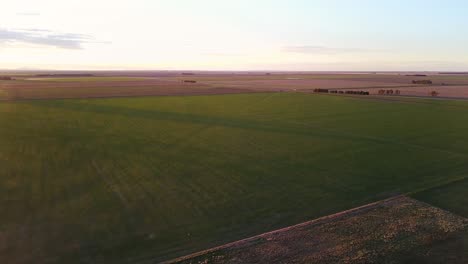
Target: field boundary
column 131, row 96
column 440, row 185
column 206, row 92
column 310, row 222
column 395, row 98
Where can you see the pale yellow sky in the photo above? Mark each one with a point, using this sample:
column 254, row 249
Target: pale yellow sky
column 228, row 35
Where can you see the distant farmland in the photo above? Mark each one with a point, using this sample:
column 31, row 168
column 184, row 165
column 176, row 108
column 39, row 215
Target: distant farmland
column 126, row 84
column 128, row 180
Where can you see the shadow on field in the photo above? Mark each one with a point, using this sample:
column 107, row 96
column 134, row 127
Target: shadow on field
column 201, row 120
column 307, row 130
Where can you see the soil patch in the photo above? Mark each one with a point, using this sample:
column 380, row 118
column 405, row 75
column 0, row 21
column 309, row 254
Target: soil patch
column 389, row 231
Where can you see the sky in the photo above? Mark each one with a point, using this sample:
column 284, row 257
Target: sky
column 296, row 35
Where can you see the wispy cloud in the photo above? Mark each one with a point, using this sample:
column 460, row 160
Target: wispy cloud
column 44, row 37
column 324, row 50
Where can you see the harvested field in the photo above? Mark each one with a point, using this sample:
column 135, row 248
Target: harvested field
column 455, row 92
column 301, row 84
column 21, row 90
column 450, row 86
column 88, row 79
column 360, row 77
column 87, row 84
column 443, row 91
column 123, row 84
column 396, row 230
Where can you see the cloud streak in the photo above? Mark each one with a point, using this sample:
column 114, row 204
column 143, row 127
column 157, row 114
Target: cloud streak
column 44, row 37
column 322, row 50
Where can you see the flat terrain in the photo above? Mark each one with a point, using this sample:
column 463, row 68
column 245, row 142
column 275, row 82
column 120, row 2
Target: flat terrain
column 125, row 84
column 131, row 180
column 452, row 197
column 454, row 91
column 398, row 230
column 99, row 87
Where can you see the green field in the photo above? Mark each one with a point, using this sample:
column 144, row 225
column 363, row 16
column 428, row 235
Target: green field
column 452, row 197
column 135, row 179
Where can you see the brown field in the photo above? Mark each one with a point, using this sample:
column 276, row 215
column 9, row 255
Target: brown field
column 114, row 84
column 424, row 91
column 396, row 230
column 17, row 90
column 297, row 84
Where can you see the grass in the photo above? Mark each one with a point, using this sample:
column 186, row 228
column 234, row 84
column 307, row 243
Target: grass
column 50, row 91
column 386, row 232
column 452, row 197
column 132, row 179
column 3, row 94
